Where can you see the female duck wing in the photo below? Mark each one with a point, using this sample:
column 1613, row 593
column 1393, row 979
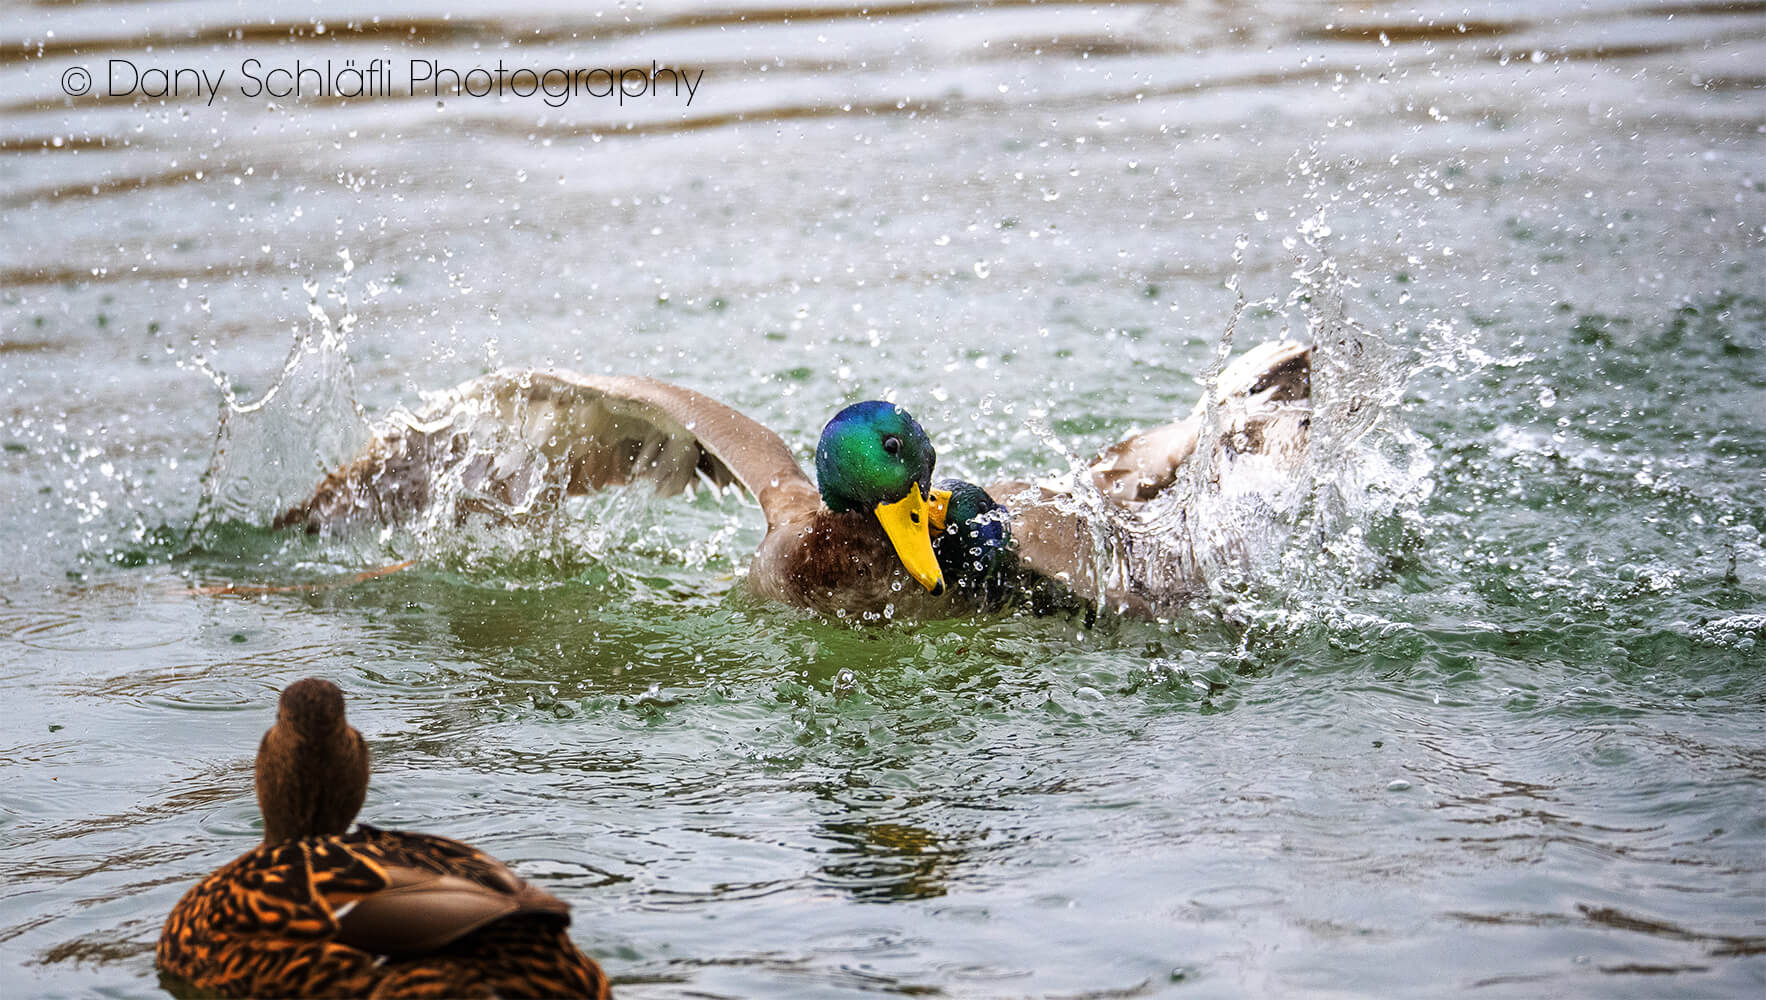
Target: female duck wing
column 521, row 439
column 454, row 921
column 432, row 891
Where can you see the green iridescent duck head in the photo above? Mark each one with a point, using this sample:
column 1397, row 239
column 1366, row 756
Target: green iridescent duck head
column 875, row 457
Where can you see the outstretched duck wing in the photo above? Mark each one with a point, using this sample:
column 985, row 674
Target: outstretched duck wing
column 1248, row 392
column 516, row 440
column 1263, row 405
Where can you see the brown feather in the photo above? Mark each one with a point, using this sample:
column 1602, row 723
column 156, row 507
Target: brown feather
column 514, row 437
column 839, row 564
column 312, row 767
column 420, row 910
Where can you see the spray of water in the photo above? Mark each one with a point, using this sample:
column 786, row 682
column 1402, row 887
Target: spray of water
column 463, row 480
column 1248, row 525
column 272, row 448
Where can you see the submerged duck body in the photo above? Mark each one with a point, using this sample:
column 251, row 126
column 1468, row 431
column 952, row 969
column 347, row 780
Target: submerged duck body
column 876, row 538
column 322, row 910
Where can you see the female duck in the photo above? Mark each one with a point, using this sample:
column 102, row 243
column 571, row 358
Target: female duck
column 322, row 910
column 516, row 443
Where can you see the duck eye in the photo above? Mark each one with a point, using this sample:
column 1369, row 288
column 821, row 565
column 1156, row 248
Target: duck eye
column 892, row 444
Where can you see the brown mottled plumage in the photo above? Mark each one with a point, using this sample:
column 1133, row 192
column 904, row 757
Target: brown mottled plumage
column 315, row 911
column 839, row 564
column 516, row 442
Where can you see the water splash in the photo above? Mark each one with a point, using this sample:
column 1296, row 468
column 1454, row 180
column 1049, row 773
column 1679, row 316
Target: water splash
column 472, row 479
column 1254, row 529
column 1241, row 521
column 271, row 449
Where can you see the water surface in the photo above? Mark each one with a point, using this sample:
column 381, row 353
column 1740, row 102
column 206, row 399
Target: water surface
column 1487, row 720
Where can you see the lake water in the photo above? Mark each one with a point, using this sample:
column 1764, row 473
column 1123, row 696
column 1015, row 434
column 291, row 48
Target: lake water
column 1488, row 717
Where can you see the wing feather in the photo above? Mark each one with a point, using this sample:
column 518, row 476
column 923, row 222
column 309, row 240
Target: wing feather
column 434, row 891
column 1249, row 392
column 520, row 440
column 1263, row 401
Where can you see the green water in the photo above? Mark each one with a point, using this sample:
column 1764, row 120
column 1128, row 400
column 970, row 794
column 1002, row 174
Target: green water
column 1486, row 719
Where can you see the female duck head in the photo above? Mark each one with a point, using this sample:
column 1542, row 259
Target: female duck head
column 875, row 457
column 312, row 768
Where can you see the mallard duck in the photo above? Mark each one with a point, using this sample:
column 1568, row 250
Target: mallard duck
column 877, row 537
column 322, row 910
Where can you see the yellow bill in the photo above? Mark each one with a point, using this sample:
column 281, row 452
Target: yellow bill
column 908, row 522
column 938, row 509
